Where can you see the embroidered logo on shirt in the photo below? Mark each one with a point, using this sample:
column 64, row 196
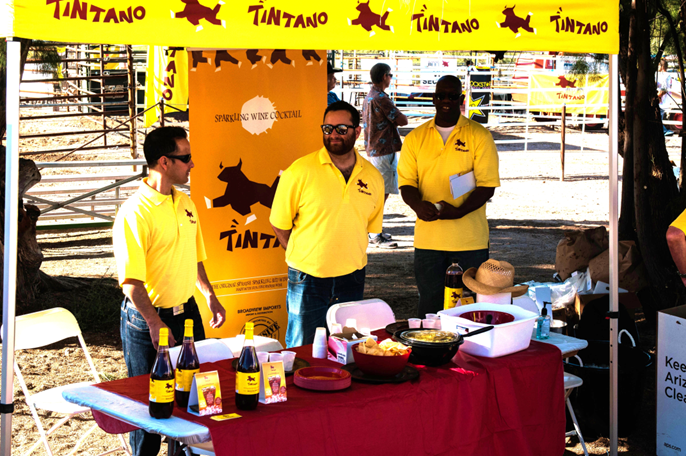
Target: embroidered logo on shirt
column 362, row 185
column 460, row 146
column 189, row 214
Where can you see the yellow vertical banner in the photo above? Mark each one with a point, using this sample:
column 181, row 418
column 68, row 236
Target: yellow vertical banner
column 253, row 112
column 166, row 77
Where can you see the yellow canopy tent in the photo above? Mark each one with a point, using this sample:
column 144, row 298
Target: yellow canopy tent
column 576, row 26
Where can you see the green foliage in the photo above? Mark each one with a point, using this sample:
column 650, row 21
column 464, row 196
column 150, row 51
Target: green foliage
column 592, row 65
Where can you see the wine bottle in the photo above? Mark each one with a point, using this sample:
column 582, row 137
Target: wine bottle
column 187, row 366
column 453, row 286
column 248, row 373
column 162, row 380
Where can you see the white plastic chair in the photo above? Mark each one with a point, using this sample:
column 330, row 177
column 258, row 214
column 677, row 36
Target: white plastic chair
column 370, row 313
column 208, row 350
column 37, row 330
column 571, row 382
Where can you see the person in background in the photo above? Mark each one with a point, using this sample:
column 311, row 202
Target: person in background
column 381, row 118
column 331, row 83
column 159, row 252
column 664, row 85
column 448, row 230
column 676, row 241
column 325, row 205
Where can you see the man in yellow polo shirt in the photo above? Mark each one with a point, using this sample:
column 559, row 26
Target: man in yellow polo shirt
column 325, row 205
column 159, row 250
column 448, row 230
column 676, row 240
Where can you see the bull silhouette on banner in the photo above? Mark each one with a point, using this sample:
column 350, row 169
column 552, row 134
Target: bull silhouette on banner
column 241, row 193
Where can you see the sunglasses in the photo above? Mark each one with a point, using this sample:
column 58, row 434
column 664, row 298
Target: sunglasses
column 184, row 158
column 444, row 96
column 341, row 129
column 389, row 74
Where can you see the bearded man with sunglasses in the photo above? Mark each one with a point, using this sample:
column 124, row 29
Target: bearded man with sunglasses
column 325, row 205
column 159, row 249
column 448, row 230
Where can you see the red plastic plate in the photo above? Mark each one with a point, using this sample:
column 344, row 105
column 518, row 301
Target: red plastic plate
column 322, row 378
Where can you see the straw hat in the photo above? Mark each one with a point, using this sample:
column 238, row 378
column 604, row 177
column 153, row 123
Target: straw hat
column 493, row 277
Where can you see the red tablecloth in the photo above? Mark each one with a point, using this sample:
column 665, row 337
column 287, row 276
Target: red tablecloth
column 513, row 405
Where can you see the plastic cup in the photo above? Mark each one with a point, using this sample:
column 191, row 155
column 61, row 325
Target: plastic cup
column 262, row 357
column 288, row 360
column 432, row 316
column 319, row 347
column 427, row 323
column 414, row 322
column 275, row 357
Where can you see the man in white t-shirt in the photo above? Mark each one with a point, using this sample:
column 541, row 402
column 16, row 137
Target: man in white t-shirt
column 664, row 85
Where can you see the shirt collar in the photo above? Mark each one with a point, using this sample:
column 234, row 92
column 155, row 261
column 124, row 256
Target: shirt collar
column 325, row 158
column 153, row 195
column 461, row 122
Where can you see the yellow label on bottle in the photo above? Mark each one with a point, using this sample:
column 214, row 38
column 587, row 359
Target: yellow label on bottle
column 161, row 391
column 451, row 296
column 247, row 383
column 184, row 379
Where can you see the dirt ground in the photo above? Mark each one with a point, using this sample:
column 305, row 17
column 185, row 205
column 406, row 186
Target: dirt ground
column 528, row 215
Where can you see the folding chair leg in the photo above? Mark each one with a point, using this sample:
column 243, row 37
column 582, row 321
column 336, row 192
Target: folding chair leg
column 576, row 427
column 41, row 432
column 124, row 445
column 82, row 439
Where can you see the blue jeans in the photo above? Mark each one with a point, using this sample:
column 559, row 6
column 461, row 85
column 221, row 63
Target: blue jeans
column 429, row 270
column 139, row 354
column 309, row 298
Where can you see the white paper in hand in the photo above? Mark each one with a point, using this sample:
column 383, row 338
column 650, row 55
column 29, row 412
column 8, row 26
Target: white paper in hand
column 459, row 185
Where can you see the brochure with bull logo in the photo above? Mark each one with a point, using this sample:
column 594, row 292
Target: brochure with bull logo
column 273, row 383
column 206, row 395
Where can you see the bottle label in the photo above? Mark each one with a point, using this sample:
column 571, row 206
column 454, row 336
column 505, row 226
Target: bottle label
column 247, row 383
column 161, row 391
column 451, row 296
column 184, row 379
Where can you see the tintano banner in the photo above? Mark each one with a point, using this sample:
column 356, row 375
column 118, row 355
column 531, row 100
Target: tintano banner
column 534, row 25
column 252, row 113
column 166, row 78
column 569, row 90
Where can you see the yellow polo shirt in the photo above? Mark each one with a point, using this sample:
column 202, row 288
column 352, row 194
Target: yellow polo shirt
column 427, row 164
column 329, row 218
column 157, row 240
column 680, row 222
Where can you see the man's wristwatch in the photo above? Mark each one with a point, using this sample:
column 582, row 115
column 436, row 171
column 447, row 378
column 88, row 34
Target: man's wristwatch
column 683, row 276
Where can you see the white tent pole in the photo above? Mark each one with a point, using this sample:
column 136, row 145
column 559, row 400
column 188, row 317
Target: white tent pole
column 10, row 251
column 614, row 247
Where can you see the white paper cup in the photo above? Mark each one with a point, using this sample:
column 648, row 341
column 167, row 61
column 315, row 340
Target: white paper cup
column 288, row 360
column 320, row 345
column 351, row 323
column 365, row 331
column 275, row 357
column 414, row 322
column 336, row 328
column 263, row 357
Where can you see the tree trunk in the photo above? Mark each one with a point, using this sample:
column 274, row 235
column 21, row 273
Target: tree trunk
column 654, row 181
column 627, row 229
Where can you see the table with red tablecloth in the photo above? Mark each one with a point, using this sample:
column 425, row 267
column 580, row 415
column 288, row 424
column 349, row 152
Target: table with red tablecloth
column 512, row 405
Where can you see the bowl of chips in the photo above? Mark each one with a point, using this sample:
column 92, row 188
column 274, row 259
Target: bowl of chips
column 385, row 359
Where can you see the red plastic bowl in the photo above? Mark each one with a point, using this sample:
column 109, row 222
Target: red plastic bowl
column 383, row 366
column 320, row 378
column 482, row 316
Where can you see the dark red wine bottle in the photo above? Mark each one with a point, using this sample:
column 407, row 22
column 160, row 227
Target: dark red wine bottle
column 248, row 373
column 187, row 366
column 162, row 380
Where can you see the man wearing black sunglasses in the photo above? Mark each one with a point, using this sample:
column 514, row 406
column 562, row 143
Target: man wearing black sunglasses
column 381, row 119
column 325, row 205
column 159, row 250
column 448, row 230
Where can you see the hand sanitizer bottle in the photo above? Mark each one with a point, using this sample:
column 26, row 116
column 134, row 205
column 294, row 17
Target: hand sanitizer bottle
column 543, row 325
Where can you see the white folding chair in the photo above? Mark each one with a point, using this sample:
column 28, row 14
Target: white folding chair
column 37, row 330
column 571, row 382
column 370, row 313
column 208, row 350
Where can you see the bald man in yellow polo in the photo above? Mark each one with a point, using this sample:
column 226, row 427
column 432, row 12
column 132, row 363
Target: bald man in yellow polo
column 325, row 205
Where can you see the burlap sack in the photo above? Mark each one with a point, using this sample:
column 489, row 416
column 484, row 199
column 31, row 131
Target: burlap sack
column 576, row 250
column 632, row 273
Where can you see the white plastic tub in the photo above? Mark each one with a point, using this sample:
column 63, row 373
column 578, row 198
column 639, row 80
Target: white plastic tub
column 503, row 339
